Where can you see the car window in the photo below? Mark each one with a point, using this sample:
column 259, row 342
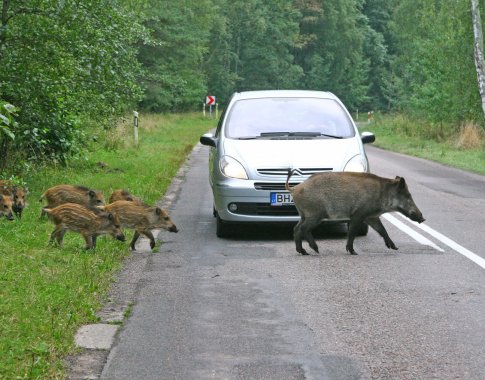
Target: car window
column 249, row 118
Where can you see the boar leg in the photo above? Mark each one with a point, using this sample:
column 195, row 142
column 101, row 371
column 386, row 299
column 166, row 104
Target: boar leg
column 354, row 226
column 57, row 234
column 304, row 230
column 149, row 235
column 90, row 241
column 377, row 225
column 137, row 234
column 297, row 236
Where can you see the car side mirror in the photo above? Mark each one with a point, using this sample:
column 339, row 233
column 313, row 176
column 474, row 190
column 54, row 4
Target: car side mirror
column 208, row 139
column 367, row 137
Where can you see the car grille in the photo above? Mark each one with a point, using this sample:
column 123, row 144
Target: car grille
column 302, row 172
column 264, row 209
column 272, row 185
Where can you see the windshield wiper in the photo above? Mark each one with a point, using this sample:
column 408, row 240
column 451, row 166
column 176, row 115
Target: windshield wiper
column 298, row 134
column 331, row 136
column 274, row 134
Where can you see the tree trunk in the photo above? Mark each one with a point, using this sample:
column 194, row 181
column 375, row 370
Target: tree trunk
column 478, row 46
column 3, row 23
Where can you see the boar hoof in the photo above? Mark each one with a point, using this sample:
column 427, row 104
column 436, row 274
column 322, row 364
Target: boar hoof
column 391, row 245
column 351, row 251
column 302, row 251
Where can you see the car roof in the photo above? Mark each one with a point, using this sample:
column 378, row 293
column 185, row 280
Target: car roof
column 283, row 94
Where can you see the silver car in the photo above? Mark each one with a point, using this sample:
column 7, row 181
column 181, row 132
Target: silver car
column 261, row 135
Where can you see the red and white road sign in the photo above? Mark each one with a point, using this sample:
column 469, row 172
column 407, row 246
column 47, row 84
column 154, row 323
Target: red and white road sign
column 210, row 100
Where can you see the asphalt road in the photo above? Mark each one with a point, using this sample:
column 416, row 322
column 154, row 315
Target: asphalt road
column 250, row 307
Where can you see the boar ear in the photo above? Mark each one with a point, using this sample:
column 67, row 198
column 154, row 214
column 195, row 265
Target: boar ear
column 158, row 210
column 402, row 182
column 91, row 193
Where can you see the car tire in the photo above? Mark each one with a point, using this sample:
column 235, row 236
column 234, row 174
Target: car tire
column 223, row 230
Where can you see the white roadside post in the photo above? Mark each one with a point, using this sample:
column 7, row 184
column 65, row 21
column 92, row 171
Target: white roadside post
column 203, row 109
column 217, row 110
column 135, row 126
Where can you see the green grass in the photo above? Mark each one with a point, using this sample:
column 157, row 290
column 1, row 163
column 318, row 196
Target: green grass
column 47, row 292
column 433, row 142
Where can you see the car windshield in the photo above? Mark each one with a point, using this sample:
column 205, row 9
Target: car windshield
column 288, row 117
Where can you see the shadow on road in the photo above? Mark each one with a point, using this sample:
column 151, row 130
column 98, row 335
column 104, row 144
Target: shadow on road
column 282, row 232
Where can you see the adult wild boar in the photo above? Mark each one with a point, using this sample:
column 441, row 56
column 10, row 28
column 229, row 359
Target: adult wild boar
column 354, row 197
column 141, row 218
column 88, row 221
column 60, row 194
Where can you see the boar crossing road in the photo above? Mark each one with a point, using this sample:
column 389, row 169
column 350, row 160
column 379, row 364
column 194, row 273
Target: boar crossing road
column 251, row 307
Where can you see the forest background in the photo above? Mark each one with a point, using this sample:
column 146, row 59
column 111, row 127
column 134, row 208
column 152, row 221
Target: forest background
column 72, row 68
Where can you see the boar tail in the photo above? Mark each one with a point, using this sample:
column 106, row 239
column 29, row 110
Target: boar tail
column 287, row 185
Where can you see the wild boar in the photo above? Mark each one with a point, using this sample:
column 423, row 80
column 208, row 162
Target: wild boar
column 141, row 218
column 61, row 194
column 6, row 207
column 123, row 195
column 18, row 195
column 88, row 221
column 354, row 197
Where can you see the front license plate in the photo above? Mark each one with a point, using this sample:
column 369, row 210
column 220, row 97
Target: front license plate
column 281, row 199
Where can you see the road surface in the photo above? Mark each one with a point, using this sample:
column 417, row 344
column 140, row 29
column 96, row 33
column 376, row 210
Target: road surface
column 250, row 307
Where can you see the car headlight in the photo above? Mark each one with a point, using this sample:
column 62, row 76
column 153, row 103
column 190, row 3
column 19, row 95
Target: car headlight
column 356, row 164
column 232, row 168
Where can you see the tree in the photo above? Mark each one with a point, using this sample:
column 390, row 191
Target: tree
column 331, row 49
column 478, row 39
column 433, row 60
column 175, row 79
column 64, row 63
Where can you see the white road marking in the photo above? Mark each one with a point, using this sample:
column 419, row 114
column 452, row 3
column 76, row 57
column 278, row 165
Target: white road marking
column 450, row 243
column 415, row 235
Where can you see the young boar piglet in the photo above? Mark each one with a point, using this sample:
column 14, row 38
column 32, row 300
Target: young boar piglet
column 6, row 207
column 142, row 218
column 18, row 195
column 123, row 195
column 60, row 194
column 88, row 221
column 354, row 197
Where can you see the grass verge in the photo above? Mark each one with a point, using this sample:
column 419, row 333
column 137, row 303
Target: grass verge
column 462, row 147
column 47, row 292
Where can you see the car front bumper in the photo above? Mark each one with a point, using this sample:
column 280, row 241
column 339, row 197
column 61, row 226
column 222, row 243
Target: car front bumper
column 249, row 201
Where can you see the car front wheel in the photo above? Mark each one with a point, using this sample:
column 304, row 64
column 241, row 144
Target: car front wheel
column 223, row 230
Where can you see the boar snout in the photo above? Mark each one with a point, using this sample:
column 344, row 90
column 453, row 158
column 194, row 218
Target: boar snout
column 10, row 216
column 173, row 228
column 417, row 217
column 120, row 237
column 414, row 215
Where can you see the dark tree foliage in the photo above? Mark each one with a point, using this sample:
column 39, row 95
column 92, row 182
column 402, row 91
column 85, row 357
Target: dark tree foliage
column 68, row 64
column 64, row 63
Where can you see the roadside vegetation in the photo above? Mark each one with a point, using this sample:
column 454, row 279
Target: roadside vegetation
column 461, row 146
column 47, row 292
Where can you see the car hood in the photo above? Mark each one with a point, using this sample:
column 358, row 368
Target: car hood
column 330, row 154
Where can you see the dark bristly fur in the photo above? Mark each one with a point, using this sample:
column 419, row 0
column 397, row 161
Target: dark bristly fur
column 354, row 197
